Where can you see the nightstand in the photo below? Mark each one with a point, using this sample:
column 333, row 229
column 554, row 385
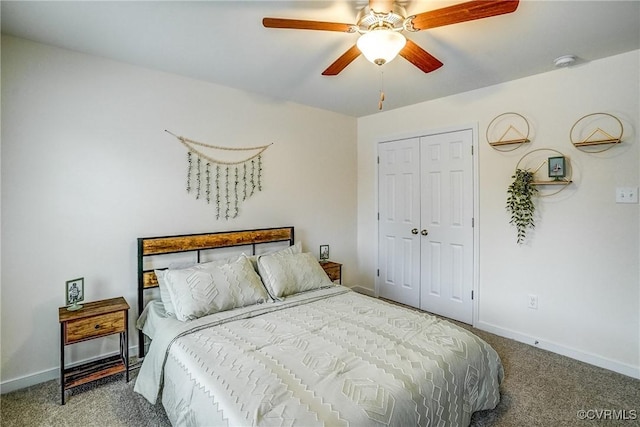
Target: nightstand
column 96, row 319
column 333, row 270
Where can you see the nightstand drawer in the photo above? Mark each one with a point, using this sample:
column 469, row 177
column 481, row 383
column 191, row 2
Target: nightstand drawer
column 95, row 326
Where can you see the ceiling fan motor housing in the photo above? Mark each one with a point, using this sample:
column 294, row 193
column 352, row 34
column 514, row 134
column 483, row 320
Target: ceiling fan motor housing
column 369, row 19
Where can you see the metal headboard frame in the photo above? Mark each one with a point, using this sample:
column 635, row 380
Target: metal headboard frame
column 166, row 245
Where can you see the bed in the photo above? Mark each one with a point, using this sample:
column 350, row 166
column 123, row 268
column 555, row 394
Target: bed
column 262, row 336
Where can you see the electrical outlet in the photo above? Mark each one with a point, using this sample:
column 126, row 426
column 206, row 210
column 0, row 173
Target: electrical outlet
column 627, row 195
column 533, row 301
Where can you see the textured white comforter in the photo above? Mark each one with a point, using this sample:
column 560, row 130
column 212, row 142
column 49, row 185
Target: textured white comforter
column 329, row 357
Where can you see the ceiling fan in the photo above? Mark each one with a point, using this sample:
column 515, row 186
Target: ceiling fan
column 382, row 22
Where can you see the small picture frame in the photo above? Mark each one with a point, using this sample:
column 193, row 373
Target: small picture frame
column 557, row 167
column 324, row 253
column 75, row 293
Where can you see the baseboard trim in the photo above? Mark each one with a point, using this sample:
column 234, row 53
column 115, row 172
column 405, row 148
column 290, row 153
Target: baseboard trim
column 48, row 375
column 29, row 380
column 586, row 357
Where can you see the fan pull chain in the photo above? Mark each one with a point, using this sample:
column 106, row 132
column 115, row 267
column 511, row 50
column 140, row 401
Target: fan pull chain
column 381, row 91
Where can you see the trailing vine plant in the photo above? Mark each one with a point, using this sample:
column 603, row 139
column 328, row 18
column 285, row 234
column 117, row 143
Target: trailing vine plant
column 520, row 202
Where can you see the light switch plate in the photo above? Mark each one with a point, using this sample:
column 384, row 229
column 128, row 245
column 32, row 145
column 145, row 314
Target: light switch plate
column 627, row 195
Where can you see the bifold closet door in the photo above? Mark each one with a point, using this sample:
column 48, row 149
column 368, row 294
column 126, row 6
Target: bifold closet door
column 425, row 231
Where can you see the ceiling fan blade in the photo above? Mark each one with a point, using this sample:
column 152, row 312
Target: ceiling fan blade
column 342, row 62
column 420, row 57
column 463, row 12
column 297, row 24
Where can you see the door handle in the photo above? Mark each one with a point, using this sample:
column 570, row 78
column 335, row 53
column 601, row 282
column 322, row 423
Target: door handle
column 424, row 232
column 414, row 231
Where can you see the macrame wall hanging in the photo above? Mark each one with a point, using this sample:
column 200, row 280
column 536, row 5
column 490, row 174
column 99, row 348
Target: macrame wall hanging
column 225, row 182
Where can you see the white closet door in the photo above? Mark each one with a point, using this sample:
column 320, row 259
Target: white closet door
column 446, row 224
column 399, row 215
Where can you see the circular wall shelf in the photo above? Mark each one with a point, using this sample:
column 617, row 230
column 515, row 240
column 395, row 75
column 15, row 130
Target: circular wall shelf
column 597, row 137
column 511, row 137
column 536, row 157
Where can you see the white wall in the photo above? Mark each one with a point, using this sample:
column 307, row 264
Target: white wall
column 582, row 258
column 87, row 168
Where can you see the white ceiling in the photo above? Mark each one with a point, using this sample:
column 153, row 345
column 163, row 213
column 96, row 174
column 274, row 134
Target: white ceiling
column 224, row 42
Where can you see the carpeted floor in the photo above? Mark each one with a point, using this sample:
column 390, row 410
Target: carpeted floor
column 540, row 389
column 545, row 389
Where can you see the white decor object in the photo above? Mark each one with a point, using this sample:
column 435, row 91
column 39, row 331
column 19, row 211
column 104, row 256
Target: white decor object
column 381, row 45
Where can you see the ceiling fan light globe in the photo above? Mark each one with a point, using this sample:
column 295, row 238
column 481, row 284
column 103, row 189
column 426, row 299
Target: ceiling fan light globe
column 381, row 46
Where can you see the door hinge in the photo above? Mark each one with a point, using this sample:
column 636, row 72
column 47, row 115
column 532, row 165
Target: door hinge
column 471, row 294
column 378, row 159
column 472, row 150
column 378, row 216
column 473, row 222
column 378, row 272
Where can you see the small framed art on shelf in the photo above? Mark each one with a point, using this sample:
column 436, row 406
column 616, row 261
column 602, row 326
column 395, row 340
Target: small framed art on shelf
column 557, row 167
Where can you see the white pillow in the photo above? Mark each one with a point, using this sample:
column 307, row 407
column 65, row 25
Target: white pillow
column 287, row 274
column 293, row 249
column 212, row 287
column 165, row 297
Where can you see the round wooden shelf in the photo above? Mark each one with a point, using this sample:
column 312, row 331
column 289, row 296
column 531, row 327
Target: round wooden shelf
column 562, row 183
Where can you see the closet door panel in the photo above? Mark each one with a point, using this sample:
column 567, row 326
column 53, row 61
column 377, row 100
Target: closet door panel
column 446, row 169
column 399, row 220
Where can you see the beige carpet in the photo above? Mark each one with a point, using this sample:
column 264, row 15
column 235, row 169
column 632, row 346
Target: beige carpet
column 540, row 389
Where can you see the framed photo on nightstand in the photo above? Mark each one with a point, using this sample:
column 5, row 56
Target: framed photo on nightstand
column 75, row 292
column 324, row 253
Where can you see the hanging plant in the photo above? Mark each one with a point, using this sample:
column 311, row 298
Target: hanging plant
column 520, row 202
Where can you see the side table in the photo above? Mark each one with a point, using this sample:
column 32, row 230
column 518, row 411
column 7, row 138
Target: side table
column 94, row 320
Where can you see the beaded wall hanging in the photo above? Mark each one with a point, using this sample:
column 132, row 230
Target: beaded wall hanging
column 224, row 182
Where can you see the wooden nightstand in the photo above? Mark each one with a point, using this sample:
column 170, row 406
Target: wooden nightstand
column 95, row 320
column 333, row 270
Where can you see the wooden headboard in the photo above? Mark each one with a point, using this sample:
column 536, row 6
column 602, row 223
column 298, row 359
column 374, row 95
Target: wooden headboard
column 166, row 245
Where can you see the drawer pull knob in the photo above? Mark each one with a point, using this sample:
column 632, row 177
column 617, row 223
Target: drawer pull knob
column 97, row 327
